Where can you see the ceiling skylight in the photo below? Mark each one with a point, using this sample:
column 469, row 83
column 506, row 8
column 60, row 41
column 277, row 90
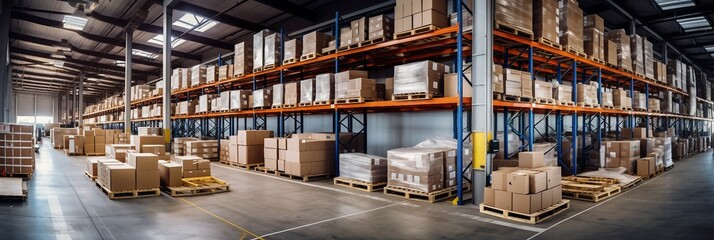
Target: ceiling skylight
column 73, row 22
column 697, row 23
column 674, row 4
column 143, row 53
column 709, row 48
column 120, row 63
column 189, row 21
column 159, row 40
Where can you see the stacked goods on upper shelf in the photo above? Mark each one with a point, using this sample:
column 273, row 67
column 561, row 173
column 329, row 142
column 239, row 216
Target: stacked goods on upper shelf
column 262, row 98
column 637, row 49
column 451, row 88
column 594, row 37
column 307, row 92
column 660, row 71
column 526, row 189
column 363, row 167
column 271, row 51
column 211, row 74
column 675, row 74
column 17, row 155
column 667, row 106
column 224, row 72
column 204, row 105
column 324, row 88
column 179, row 146
column 624, row 61
column 545, row 21
column 518, row 83
column 198, row 75
column 515, row 14
column 240, row 100
column 543, row 90
column 648, row 59
column 292, row 94
column 380, row 27
column 419, row 78
column 259, row 54
column 242, row 59
column 653, row 105
column 607, row 98
column 497, row 79
column 206, row 149
column 186, row 107
column 571, row 26
column 246, row 148
column 564, row 94
column 416, row 14
column 354, row 84
column 179, row 79
column 139, row 92
column 611, row 49
column 293, row 51
column 313, row 44
column 274, row 153
column 359, row 32
column 278, row 95
column 639, row 101
column 620, row 99
column 587, row 94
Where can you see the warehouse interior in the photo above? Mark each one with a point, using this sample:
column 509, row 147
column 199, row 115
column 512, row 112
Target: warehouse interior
column 315, row 119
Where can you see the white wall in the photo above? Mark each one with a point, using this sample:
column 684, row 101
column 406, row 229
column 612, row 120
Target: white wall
column 25, row 103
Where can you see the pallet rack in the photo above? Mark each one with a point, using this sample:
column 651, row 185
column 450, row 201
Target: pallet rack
column 454, row 42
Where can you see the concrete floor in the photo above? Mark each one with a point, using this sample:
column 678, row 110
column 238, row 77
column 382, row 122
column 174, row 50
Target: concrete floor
column 64, row 204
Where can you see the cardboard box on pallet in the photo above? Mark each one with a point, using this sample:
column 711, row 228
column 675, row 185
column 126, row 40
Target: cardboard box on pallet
column 564, row 93
column 120, row 177
column 571, row 25
column 358, row 88
column 293, row 49
column 137, row 142
column 307, row 91
column 343, row 80
column 380, row 26
column 239, row 99
column 543, row 90
column 262, row 98
column 648, row 58
column 292, row 93
column 620, row 98
column 607, row 97
column 611, row 49
column 637, row 53
column 171, row 174
column 545, row 20
column 620, row 38
column 325, row 87
column 278, row 94
column 198, row 75
column 587, row 93
column 314, row 42
column 645, row 166
column 363, row 167
column 515, row 14
column 451, row 84
column 594, row 36
column 211, row 74
column 419, row 77
column 258, row 51
column 416, row 168
column 498, row 79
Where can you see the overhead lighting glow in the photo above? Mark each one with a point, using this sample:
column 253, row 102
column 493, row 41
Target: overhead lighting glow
column 190, row 20
column 57, row 63
column 159, row 40
column 697, row 23
column 120, row 63
column 709, row 48
column 58, row 54
column 74, row 22
column 143, row 54
column 674, row 4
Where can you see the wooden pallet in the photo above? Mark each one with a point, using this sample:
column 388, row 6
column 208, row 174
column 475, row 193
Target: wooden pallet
column 236, row 76
column 623, row 108
column 591, row 196
column 72, row 154
column 608, row 107
column 348, row 47
column 290, row 61
column 198, row 186
column 515, row 30
column 320, row 103
column 565, row 103
column 257, row 69
column 268, row 171
column 640, row 109
column 308, row 56
column 627, row 70
column 416, row 31
column 418, row 195
column 532, row 218
column 13, row 189
column 544, row 101
column 412, row 96
column 590, row 105
column 597, row 60
column 497, row 95
column 633, row 183
column 306, row 178
column 26, row 176
column 290, row 105
column 611, row 65
column 550, row 43
column 359, row 185
column 592, row 180
column 655, row 111
column 90, row 176
column 247, row 166
column 668, row 168
column 95, row 154
column 307, row 104
column 276, row 106
column 575, row 51
column 517, row 98
column 352, row 100
column 128, row 194
column 373, row 41
column 640, row 75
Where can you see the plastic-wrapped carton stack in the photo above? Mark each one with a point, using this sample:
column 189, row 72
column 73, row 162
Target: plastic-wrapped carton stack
column 607, row 97
column 293, row 49
column 653, row 104
column 359, row 30
column 419, row 77
column 545, row 20
column 271, row 50
column 660, row 71
column 262, row 98
column 594, row 36
column 198, row 75
column 587, row 93
column 211, row 74
column 179, row 146
column 610, row 52
column 242, row 59
column 639, row 100
column 564, row 93
column 17, row 153
column 675, row 73
column 624, row 54
column 571, row 25
column 324, row 88
column 363, row 167
column 246, row 147
column 342, row 81
column 239, row 100
column 515, row 14
column 204, row 104
column 413, row 14
column 422, row 169
column 638, row 58
column 543, row 90
column 224, row 72
column 380, row 26
column 313, row 43
column 310, row 154
column 278, row 96
column 518, row 83
column 292, row 94
column 187, row 107
column 527, row 189
column 620, row 98
column 206, row 149
column 258, row 51
column 307, row 92
column 648, row 59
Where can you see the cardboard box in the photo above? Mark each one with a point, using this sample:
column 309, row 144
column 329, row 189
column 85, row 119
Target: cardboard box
column 251, row 137
column 250, row 154
column 504, row 200
column 518, row 182
column 646, row 166
column 270, row 153
column 270, row 143
column 139, row 141
column 498, row 180
column 171, row 174
column 557, row 194
column 281, row 165
column 531, row 159
column 202, row 164
column 91, row 166
column 553, row 175
column 143, row 161
column 489, row 196
column 629, row 149
column 546, row 198
column 148, row 179
column 527, row 203
column 537, row 182
column 121, row 177
column 188, row 162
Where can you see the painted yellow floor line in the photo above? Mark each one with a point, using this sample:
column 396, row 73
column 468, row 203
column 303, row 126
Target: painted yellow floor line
column 222, row 219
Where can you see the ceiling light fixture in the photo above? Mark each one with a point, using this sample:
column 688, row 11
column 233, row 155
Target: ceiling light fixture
column 59, row 54
column 57, row 63
column 74, row 22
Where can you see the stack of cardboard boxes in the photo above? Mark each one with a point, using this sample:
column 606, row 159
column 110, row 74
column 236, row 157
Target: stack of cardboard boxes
column 240, row 100
column 325, row 88
column 419, row 77
column 74, row 144
column 543, row 90
column 147, row 170
column 620, row 38
column 545, row 20
column 594, row 36
column 198, row 75
column 263, row 98
column 293, row 49
column 258, row 51
column 564, row 93
column 518, row 83
column 57, row 136
column 17, row 153
column 292, row 94
column 179, row 79
column 278, row 95
column 242, row 59
column 639, row 100
column 139, row 141
column 186, row 107
column 115, row 176
column 363, row 167
column 211, row 74
column 348, row 84
column 171, row 174
column 310, row 154
column 413, row 14
column 620, row 98
column 205, row 149
column 307, row 91
column 95, row 141
column 194, row 167
column 587, row 93
column 421, row 169
column 158, row 149
column 179, row 146
column 118, row 151
column 571, row 25
column 515, row 14
column 274, row 153
column 637, row 49
column 648, row 56
column 527, row 189
column 246, row 147
column 313, row 43
column 204, row 102
column 380, row 27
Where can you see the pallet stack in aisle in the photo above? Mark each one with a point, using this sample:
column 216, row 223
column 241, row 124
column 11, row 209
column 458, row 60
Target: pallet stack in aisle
column 530, row 193
column 138, row 177
column 423, row 174
column 362, row 171
column 57, row 136
column 179, row 146
column 206, row 149
column 246, row 148
column 274, row 153
column 17, row 154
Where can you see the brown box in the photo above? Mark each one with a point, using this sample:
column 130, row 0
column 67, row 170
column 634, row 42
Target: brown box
column 251, row 137
column 270, row 143
column 546, row 198
column 629, row 163
column 121, row 177
column 281, row 165
column 147, row 179
column 91, row 166
column 282, row 143
column 202, row 164
column 435, row 5
column 504, row 200
column 629, row 149
column 545, row 20
column 498, row 180
column 557, row 194
column 271, row 164
column 531, row 159
column 188, row 162
column 250, row 154
column 434, row 18
column 489, row 197
column 308, row 168
column 190, row 173
column 646, row 166
column 518, row 182
column 553, row 175
column 143, row 161
column 170, row 174
column 527, row 203
column 139, row 141
column 537, row 181
column 270, row 153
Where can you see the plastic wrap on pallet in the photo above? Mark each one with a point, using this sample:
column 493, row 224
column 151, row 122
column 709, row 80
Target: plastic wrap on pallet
column 292, row 93
column 623, row 47
column 380, row 26
column 653, row 104
column 543, row 89
column 211, row 74
column 271, row 50
column 639, row 100
column 313, row 42
column 342, row 81
column 419, row 77
column 204, row 104
column 594, row 36
column 571, row 24
column 258, row 52
column 363, row 167
column 637, row 50
column 416, row 168
column 616, row 173
column 262, row 98
column 225, row 101
column 293, row 49
column 587, row 93
column 545, row 20
column 448, row 143
column 176, row 77
column 243, row 58
column 239, row 99
column 564, row 93
column 607, row 98
column 324, row 87
column 198, row 75
column 307, row 90
column 515, row 13
column 278, row 90
column 648, row 59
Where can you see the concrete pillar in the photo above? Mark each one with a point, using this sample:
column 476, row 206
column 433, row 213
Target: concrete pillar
column 481, row 102
column 168, row 15
column 5, row 73
column 127, row 81
column 80, row 105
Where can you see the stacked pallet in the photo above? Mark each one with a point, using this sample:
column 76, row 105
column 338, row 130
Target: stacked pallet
column 189, row 176
column 590, row 189
column 424, row 174
column 246, row 148
column 274, row 150
column 17, row 155
column 206, row 149
column 138, row 177
column 179, row 146
column 362, row 171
